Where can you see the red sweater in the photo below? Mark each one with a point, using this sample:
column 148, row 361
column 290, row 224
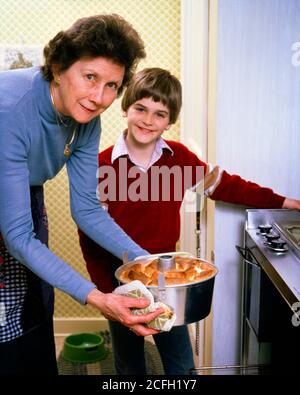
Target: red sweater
column 155, row 225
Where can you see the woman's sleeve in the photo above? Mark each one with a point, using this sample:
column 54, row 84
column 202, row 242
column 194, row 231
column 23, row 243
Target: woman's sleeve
column 85, row 208
column 16, row 224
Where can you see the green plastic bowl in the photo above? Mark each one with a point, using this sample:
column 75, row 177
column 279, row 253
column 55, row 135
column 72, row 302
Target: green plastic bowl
column 84, row 348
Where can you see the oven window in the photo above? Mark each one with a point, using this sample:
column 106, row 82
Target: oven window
column 258, row 303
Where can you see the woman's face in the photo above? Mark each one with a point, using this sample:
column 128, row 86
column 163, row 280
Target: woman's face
column 87, row 88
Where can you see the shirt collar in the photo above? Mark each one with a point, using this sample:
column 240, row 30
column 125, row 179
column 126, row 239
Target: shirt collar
column 120, row 149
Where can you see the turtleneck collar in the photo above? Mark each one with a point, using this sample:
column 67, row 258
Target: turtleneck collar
column 41, row 91
column 43, row 98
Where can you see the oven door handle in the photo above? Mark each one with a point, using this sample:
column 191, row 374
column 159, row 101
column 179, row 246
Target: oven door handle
column 242, row 251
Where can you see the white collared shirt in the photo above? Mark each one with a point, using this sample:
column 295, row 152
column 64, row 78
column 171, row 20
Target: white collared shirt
column 120, row 149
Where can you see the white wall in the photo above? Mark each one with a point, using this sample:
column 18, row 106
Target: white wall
column 257, row 134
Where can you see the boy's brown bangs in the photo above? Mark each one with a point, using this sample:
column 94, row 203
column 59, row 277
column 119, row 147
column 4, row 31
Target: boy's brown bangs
column 154, row 94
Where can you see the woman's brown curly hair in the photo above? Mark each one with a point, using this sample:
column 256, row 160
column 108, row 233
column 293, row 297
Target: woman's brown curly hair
column 109, row 36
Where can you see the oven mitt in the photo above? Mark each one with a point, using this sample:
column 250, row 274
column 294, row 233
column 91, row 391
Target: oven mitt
column 165, row 320
column 136, row 289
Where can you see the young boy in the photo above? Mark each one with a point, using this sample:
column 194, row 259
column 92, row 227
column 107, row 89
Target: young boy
column 151, row 104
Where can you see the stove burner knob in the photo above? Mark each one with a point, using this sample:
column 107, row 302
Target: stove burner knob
column 271, row 236
column 279, row 244
column 264, row 229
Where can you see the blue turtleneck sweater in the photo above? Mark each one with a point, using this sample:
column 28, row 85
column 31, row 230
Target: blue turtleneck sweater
column 32, row 152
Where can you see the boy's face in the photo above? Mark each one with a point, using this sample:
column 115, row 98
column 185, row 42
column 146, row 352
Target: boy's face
column 147, row 120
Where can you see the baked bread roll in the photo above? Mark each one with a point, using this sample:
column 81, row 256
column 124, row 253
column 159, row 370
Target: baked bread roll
column 187, row 270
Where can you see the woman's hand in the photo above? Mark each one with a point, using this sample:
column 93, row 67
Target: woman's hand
column 291, row 203
column 117, row 308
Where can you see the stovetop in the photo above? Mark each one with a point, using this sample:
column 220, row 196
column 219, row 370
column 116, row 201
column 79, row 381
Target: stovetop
column 290, row 230
column 279, row 258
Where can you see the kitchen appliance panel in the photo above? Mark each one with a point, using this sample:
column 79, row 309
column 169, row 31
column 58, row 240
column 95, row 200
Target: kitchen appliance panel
column 271, row 284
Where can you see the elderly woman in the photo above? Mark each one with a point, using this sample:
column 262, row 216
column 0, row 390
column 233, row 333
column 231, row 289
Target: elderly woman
column 49, row 117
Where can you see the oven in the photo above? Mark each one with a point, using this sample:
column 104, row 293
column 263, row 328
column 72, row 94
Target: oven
column 257, row 312
column 270, row 290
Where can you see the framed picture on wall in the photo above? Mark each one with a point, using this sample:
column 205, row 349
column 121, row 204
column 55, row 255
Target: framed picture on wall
column 20, row 56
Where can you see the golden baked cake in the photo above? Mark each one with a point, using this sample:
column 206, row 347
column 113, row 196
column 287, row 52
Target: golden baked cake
column 187, row 271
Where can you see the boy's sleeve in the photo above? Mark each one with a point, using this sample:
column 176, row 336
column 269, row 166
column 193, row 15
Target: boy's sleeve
column 205, row 176
column 236, row 190
column 194, row 169
column 219, row 185
column 100, row 264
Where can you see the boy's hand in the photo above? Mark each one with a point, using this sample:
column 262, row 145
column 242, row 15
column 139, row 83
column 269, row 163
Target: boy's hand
column 291, row 203
column 211, row 178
